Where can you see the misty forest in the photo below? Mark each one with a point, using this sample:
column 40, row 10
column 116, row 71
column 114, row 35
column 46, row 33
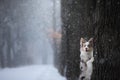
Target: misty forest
column 40, row 39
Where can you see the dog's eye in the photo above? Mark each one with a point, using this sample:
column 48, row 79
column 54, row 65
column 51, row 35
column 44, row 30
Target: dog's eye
column 88, row 45
column 84, row 45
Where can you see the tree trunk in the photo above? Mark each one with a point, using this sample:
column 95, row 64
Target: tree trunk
column 106, row 66
column 91, row 18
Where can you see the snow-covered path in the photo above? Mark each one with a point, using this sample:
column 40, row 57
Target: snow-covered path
column 36, row 72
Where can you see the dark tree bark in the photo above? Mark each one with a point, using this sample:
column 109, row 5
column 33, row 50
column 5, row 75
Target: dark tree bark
column 91, row 18
column 107, row 44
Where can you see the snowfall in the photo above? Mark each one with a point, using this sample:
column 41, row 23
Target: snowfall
column 36, row 72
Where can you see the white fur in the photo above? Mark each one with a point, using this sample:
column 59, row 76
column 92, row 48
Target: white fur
column 85, row 56
column 87, row 64
column 87, row 43
column 87, row 70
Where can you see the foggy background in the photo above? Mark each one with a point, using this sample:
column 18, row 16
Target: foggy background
column 25, row 31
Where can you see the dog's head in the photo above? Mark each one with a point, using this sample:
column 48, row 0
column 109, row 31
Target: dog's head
column 86, row 46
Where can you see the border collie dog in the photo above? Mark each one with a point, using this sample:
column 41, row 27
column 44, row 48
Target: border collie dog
column 86, row 56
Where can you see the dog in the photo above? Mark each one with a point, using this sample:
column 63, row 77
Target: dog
column 86, row 56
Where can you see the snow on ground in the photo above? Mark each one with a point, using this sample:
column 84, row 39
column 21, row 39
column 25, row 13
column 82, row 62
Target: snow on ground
column 36, row 72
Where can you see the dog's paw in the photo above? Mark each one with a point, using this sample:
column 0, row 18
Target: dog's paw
column 92, row 59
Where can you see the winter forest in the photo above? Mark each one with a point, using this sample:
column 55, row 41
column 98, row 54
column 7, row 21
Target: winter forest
column 40, row 39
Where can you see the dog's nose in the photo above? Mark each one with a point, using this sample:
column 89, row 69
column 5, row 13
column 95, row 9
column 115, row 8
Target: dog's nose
column 86, row 49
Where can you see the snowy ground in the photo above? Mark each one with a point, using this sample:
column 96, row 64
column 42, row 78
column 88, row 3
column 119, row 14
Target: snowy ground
column 36, row 72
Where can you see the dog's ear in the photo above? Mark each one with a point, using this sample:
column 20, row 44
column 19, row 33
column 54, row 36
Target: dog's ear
column 82, row 40
column 91, row 40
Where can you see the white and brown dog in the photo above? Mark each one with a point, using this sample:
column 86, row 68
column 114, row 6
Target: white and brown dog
column 86, row 56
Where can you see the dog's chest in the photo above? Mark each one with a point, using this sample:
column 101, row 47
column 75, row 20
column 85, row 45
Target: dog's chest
column 85, row 56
